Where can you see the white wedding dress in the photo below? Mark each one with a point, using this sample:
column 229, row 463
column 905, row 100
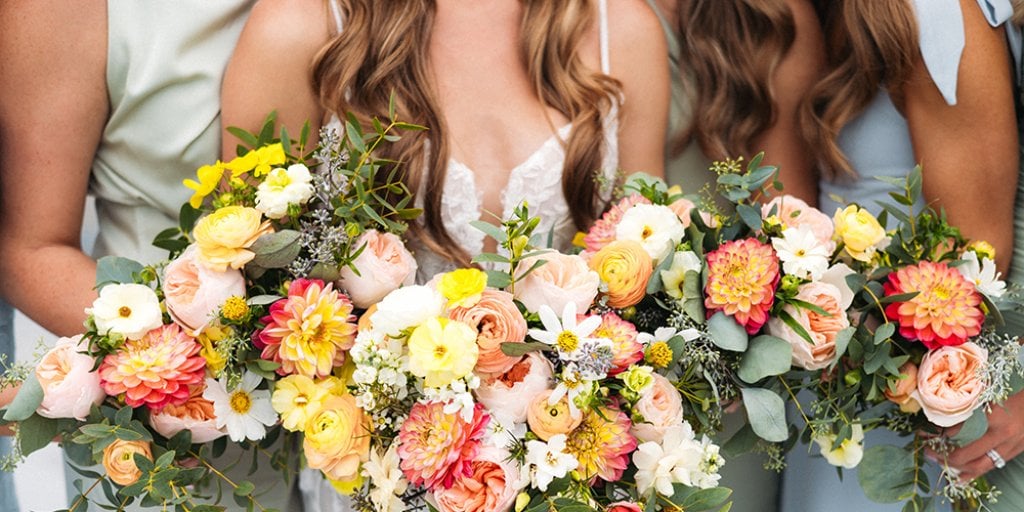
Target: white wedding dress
column 537, row 180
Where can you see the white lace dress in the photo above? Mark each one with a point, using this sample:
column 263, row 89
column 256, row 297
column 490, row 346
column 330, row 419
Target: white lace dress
column 537, row 180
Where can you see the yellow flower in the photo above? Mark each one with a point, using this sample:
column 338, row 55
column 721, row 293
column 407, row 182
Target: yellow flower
column 260, row 161
column 298, row 398
column 983, row 249
column 659, row 355
column 209, row 177
column 235, row 308
column 347, row 487
column 119, row 460
column 463, row 287
column 442, row 350
column 337, row 439
column 215, row 360
column 859, row 230
column 625, row 267
column 224, row 236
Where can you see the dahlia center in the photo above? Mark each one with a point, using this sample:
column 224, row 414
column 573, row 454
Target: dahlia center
column 942, row 292
column 124, row 312
column 568, row 341
column 241, row 402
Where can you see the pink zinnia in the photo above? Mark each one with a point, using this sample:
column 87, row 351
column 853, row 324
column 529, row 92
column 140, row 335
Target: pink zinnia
column 155, row 370
column 602, row 232
column 602, row 444
column 945, row 312
column 742, row 276
column 437, row 448
column 309, row 331
column 626, row 350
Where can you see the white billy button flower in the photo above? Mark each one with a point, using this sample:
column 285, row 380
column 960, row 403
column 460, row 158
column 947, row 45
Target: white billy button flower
column 548, row 461
column 244, row 410
column 130, row 310
column 848, row 454
column 655, row 227
column 801, row 253
column 283, row 187
column 983, row 274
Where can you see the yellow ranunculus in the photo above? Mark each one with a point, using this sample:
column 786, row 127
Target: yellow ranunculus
column 297, row 399
column 347, row 487
column 209, row 177
column 224, row 236
column 625, row 267
column 337, row 439
column 859, row 230
column 462, row 287
column 442, row 350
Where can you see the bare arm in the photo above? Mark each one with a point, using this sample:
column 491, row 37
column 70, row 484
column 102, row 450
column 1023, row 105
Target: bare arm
column 270, row 68
column 969, row 152
column 52, row 111
column 796, row 74
column 639, row 60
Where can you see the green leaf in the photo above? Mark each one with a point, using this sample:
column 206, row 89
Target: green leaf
column 245, row 488
column 187, row 217
column 793, row 324
column 490, row 230
column 884, row 332
column 886, row 474
column 843, row 338
column 699, row 500
column 900, row 297
column 766, row 356
column 263, row 300
column 35, row 432
column 766, row 413
column 726, row 333
column 520, row 349
column 243, row 135
column 115, row 269
column 750, row 216
column 743, row 441
column 498, row 279
column 26, row 401
column 973, row 428
column 276, row 250
column 488, row 257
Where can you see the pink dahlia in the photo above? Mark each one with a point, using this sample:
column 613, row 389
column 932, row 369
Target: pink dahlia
column 742, row 276
column 945, row 312
column 602, row 232
column 626, row 350
column 155, row 370
column 602, row 444
column 437, row 448
column 309, row 331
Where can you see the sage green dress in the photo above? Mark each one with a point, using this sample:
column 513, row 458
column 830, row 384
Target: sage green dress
column 755, row 489
column 165, row 64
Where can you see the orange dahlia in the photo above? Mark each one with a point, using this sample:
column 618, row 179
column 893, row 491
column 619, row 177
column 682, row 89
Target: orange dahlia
column 742, row 276
column 946, row 310
column 155, row 370
column 436, row 447
column 602, row 444
column 309, row 331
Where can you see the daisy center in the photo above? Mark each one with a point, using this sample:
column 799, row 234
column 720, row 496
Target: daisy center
column 124, row 312
column 241, row 402
column 568, row 341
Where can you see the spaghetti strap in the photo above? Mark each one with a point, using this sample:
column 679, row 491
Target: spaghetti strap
column 336, row 12
column 602, row 8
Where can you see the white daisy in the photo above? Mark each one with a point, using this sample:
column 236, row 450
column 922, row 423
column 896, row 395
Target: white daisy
column 565, row 334
column 801, row 253
column 245, row 411
column 983, row 274
column 548, row 461
column 664, row 334
column 130, row 310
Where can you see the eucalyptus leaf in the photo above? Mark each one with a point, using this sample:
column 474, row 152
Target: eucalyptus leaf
column 726, row 333
column 886, row 474
column 766, row 413
column 498, row 279
column 115, row 270
column 26, row 401
column 276, row 250
column 842, row 341
column 262, row 300
column 973, row 428
column 520, row 349
column 35, row 432
column 751, row 216
column 766, row 356
column 699, row 500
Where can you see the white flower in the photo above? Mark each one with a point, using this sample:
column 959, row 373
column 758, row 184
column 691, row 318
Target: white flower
column 387, row 484
column 131, row 310
column 549, row 461
column 983, row 274
column 657, row 228
column 565, row 334
column 849, row 452
column 245, row 411
column 673, row 279
column 406, row 307
column 836, row 276
column 665, row 334
column 679, row 458
column 801, row 253
column 571, row 385
column 283, row 187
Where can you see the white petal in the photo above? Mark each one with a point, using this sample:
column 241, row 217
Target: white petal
column 549, row 319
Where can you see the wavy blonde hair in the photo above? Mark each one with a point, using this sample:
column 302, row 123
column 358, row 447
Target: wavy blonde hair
column 383, row 51
column 870, row 44
column 731, row 49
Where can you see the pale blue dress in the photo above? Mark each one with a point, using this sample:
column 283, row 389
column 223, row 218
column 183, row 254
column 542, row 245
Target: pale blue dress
column 8, row 500
column 878, row 143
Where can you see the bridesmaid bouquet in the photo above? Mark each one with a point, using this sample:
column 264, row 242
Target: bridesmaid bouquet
column 927, row 352
column 178, row 358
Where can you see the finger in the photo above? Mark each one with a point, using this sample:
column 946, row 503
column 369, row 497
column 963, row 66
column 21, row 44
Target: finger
column 977, row 467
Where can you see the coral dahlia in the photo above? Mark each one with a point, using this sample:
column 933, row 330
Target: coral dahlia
column 626, row 350
column 946, row 310
column 436, row 447
column 602, row 444
column 742, row 276
column 309, row 331
column 155, row 370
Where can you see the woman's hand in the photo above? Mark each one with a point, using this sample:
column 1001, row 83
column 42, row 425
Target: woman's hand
column 1005, row 436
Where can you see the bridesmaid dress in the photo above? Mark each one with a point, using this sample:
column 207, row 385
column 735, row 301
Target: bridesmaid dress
column 8, row 499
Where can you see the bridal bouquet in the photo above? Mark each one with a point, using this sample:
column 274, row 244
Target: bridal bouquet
column 926, row 353
column 275, row 251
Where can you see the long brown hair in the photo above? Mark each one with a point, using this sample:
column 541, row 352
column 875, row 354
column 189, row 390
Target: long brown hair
column 731, row 49
column 870, row 44
column 383, row 50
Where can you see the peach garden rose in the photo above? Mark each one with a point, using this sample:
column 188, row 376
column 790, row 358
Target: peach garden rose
column 563, row 278
column 822, row 329
column 661, row 408
column 510, row 394
column 384, row 265
column 949, row 383
column 194, row 293
column 497, row 320
column 548, row 420
column 70, row 387
column 493, row 483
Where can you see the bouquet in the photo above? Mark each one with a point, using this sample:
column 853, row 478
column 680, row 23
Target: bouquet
column 178, row 358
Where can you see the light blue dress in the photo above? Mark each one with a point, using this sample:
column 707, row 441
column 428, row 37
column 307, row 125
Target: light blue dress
column 878, row 143
column 8, row 500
